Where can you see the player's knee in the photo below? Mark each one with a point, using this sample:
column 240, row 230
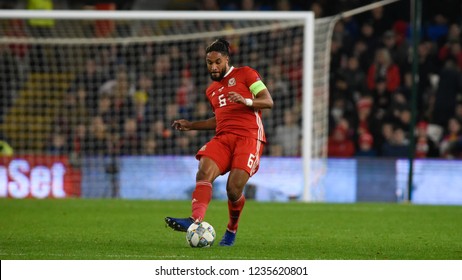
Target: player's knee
column 208, row 170
column 234, row 196
column 201, row 175
column 233, row 192
column 205, row 175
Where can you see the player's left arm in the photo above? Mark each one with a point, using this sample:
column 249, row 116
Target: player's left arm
column 262, row 99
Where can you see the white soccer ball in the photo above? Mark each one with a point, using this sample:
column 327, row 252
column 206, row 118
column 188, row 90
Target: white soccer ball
column 200, row 235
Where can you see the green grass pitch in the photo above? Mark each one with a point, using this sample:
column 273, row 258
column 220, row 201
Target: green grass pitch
column 87, row 229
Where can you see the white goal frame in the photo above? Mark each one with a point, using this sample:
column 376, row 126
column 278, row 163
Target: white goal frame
column 306, row 19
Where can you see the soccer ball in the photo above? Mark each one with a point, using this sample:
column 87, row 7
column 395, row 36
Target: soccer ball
column 200, row 235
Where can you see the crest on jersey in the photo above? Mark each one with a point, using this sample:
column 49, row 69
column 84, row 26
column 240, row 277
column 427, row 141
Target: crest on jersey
column 203, row 148
column 231, row 82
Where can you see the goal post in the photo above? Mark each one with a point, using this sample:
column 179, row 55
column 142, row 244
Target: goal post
column 61, row 53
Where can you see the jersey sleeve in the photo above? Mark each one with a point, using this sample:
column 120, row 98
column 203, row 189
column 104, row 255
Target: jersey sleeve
column 254, row 82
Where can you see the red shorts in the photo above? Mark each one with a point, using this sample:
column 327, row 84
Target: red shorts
column 231, row 151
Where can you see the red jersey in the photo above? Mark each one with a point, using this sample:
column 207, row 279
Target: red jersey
column 234, row 117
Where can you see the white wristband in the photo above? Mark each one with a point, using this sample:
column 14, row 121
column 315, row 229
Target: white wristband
column 248, row 102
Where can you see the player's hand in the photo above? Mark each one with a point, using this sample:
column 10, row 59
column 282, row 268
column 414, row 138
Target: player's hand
column 182, row 125
column 236, row 97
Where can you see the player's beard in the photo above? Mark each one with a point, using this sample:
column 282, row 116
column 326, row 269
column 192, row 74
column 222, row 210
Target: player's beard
column 219, row 77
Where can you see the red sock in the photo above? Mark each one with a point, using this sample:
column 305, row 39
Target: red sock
column 235, row 209
column 201, row 197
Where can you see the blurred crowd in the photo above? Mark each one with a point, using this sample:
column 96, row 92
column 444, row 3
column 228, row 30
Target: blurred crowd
column 125, row 98
column 371, row 87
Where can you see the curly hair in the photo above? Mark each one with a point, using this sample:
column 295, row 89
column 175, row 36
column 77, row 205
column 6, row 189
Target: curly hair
column 219, row 45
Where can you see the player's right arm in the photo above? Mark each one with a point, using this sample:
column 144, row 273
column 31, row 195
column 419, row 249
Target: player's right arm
column 185, row 125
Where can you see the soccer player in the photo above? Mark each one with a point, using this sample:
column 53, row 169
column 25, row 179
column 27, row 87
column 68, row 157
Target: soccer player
column 237, row 95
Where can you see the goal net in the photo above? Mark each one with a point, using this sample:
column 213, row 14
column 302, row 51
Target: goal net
column 88, row 98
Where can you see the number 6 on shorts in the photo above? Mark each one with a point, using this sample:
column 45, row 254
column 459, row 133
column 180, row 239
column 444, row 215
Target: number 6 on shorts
column 251, row 160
